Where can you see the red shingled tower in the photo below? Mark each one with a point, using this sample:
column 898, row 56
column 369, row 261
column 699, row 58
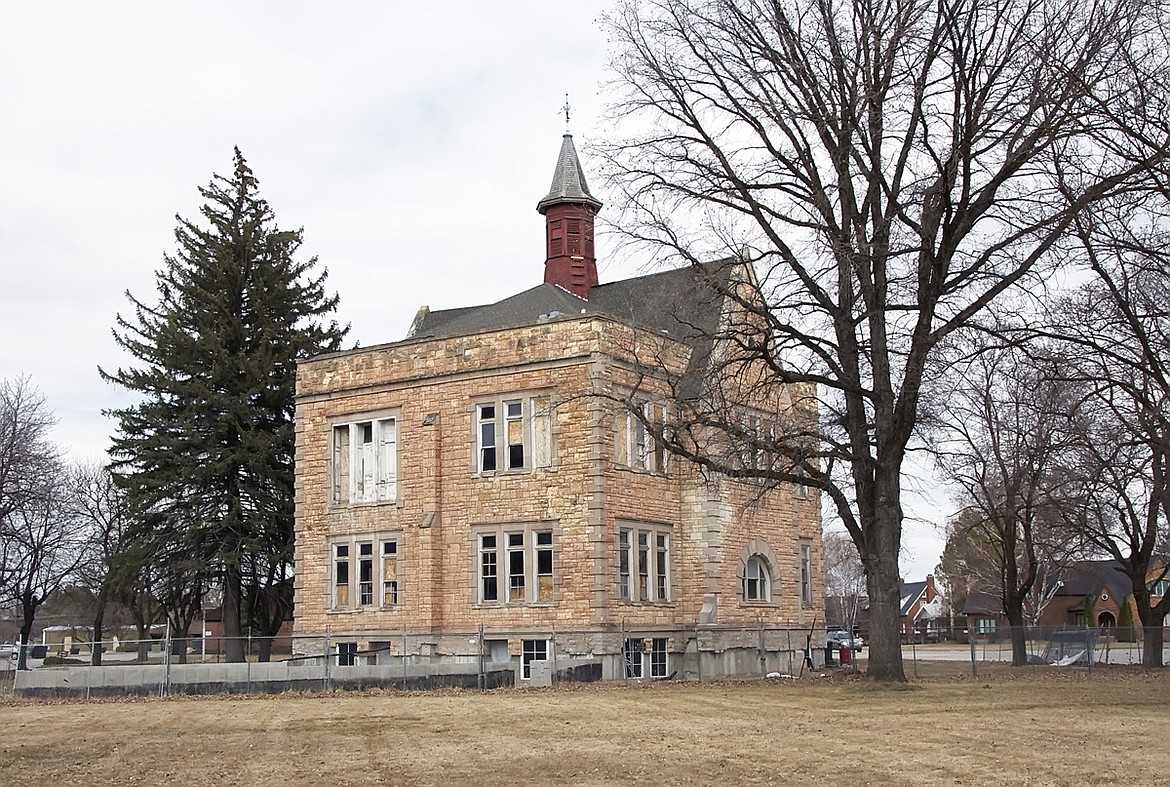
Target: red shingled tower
column 569, row 209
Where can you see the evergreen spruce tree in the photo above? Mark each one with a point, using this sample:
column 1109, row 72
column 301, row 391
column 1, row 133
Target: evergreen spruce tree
column 206, row 456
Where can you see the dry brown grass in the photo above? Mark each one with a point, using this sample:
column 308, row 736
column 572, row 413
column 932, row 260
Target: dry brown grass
column 1031, row 726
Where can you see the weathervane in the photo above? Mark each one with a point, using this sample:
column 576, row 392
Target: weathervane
column 566, row 107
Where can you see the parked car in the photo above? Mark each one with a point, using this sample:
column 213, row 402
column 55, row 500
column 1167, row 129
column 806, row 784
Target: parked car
column 843, row 639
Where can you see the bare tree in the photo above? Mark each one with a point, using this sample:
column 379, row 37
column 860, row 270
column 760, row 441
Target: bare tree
column 844, row 579
column 895, row 167
column 28, row 459
column 46, row 543
column 1117, row 326
column 102, row 505
column 1003, row 428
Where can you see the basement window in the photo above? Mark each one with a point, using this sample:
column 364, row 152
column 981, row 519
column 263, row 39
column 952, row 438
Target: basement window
column 531, row 650
column 633, row 654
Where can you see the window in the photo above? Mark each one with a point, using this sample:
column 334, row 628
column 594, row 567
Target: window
column 1160, row 588
column 531, row 650
column 658, row 659
column 632, row 655
column 756, row 580
column 365, row 461
column 376, row 574
column 513, row 434
column 528, row 566
column 341, row 575
column 346, row 654
column 634, row 444
column 365, row 574
column 758, row 445
column 985, row 625
column 635, row 656
column 544, row 565
column 806, row 593
column 389, row 572
column 643, row 564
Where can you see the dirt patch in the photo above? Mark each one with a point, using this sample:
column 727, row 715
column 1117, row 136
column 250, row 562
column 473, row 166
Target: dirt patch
column 1029, row 726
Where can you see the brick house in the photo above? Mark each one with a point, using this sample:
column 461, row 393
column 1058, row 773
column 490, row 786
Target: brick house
column 480, row 490
column 1086, row 593
column 923, row 613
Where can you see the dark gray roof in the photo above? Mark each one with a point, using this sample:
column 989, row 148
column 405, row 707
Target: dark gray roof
column 982, row 604
column 1089, row 577
column 539, row 304
column 909, row 592
column 568, row 183
column 684, row 303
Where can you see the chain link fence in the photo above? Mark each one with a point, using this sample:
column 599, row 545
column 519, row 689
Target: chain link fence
column 1066, row 646
column 473, row 659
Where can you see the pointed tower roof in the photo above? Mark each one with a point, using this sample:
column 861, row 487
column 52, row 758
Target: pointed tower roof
column 568, row 183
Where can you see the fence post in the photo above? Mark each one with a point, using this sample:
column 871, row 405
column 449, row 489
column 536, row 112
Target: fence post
column 404, row 643
column 165, row 686
column 482, row 668
column 971, row 641
column 553, row 677
column 622, row 656
column 763, row 652
column 326, row 658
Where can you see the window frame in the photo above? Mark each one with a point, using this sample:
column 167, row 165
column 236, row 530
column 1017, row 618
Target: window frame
column 644, row 565
column 633, row 658
column 347, row 483
column 635, row 447
column 804, row 557
column 515, row 563
column 529, row 650
column 517, row 421
column 762, row 579
column 362, row 593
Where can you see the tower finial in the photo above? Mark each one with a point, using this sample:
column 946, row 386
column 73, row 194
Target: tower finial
column 566, row 107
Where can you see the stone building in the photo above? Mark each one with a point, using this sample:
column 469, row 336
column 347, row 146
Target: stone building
column 485, row 490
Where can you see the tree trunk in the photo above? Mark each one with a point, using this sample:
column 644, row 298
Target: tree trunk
column 99, row 616
column 143, row 631
column 885, row 608
column 28, row 612
column 1014, row 612
column 1152, row 644
column 264, row 648
column 233, row 644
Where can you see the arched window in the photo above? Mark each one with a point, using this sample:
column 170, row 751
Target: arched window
column 757, row 584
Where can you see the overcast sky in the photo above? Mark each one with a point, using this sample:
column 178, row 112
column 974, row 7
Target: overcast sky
column 410, row 141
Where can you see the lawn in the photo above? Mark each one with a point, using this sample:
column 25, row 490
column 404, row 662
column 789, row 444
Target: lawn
column 1029, row 726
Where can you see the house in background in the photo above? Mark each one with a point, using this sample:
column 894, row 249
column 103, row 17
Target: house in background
column 1087, row 593
column 482, row 491
column 924, row 617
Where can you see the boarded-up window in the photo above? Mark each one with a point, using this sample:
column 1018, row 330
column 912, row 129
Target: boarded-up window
column 365, row 461
column 542, row 432
column 544, row 566
column 389, row 573
column 514, row 429
column 341, row 575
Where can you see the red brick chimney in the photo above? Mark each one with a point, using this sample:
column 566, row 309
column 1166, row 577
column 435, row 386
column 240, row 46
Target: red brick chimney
column 568, row 212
